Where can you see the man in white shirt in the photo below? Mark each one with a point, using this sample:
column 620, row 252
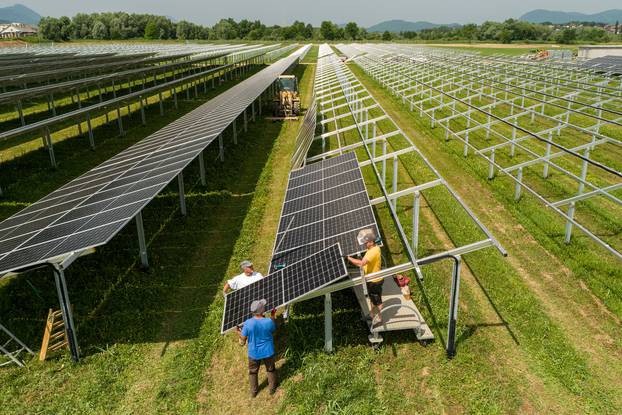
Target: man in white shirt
column 247, row 277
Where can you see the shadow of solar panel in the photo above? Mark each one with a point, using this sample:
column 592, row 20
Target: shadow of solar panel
column 284, row 286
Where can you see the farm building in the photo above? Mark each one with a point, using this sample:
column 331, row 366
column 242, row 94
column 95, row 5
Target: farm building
column 13, row 30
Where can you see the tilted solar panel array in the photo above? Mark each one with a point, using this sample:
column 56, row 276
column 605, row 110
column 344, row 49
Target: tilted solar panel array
column 326, row 202
column 88, row 211
column 606, row 64
column 286, row 285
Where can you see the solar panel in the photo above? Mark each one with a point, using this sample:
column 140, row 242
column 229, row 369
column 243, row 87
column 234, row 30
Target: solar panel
column 606, row 63
column 90, row 210
column 325, row 203
column 286, row 285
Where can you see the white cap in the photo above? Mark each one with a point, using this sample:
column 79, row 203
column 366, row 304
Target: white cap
column 369, row 237
column 258, row 305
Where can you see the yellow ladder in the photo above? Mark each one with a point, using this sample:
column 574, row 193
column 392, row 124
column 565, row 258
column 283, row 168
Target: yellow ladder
column 54, row 337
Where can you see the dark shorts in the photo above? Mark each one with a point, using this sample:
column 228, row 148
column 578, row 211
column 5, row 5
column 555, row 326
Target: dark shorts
column 374, row 289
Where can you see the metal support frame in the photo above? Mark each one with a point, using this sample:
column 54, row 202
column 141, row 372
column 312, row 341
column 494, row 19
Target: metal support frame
column 328, row 323
column 202, row 169
column 434, row 81
column 453, row 307
column 221, row 148
column 90, row 131
column 50, row 146
column 67, row 312
column 334, row 76
column 13, row 356
column 416, row 208
column 142, row 244
column 20, row 112
column 182, row 194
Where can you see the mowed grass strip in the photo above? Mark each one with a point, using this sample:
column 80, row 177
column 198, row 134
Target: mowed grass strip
column 225, row 387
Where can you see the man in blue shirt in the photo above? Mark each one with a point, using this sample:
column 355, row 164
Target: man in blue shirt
column 257, row 331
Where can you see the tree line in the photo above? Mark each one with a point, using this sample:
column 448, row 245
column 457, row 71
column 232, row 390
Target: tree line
column 517, row 30
column 121, row 25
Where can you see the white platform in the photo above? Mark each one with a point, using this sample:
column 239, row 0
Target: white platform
column 398, row 313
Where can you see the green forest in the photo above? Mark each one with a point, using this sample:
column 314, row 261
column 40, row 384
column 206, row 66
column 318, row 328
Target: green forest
column 121, row 26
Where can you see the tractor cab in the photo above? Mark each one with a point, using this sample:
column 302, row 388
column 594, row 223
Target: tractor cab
column 287, row 99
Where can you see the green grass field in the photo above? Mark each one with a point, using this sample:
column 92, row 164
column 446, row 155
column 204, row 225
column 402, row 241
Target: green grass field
column 539, row 331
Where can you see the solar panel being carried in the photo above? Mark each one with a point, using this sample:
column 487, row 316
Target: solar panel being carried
column 326, row 202
column 286, row 285
column 88, row 211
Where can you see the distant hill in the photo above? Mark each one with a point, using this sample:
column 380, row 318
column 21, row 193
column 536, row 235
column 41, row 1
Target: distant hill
column 556, row 17
column 19, row 14
column 396, row 26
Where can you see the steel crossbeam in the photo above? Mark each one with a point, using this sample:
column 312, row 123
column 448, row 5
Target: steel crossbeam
column 492, row 105
column 348, row 110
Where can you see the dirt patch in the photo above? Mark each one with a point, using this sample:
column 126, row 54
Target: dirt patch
column 12, row 43
column 227, row 390
column 515, row 357
column 603, row 308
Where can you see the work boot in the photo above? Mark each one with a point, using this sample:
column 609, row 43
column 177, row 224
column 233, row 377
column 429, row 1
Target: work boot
column 272, row 381
column 254, row 384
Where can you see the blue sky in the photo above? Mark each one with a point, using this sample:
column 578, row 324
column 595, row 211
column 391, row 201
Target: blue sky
column 365, row 12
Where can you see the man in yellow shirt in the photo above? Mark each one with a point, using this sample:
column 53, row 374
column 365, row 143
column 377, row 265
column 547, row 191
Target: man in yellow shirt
column 372, row 262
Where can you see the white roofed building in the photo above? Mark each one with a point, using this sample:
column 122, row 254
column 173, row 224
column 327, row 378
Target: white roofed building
column 14, row 30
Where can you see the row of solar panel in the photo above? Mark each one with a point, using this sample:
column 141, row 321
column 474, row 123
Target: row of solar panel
column 605, row 63
column 91, row 209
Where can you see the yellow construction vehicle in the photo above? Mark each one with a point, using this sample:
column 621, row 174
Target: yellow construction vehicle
column 287, row 99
